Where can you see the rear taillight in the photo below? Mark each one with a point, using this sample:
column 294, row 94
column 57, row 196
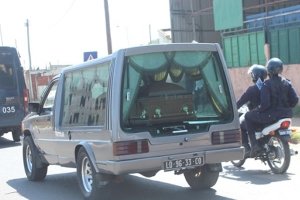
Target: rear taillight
column 26, row 99
column 130, row 147
column 224, row 137
column 285, row 124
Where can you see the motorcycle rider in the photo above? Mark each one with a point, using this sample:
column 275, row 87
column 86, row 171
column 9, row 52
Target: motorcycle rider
column 277, row 98
column 251, row 97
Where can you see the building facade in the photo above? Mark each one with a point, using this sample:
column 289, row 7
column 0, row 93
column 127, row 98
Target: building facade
column 249, row 31
column 38, row 80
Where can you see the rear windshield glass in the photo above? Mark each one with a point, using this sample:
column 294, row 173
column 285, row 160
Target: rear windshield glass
column 6, row 76
column 174, row 93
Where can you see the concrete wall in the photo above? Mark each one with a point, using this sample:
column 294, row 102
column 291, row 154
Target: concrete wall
column 241, row 80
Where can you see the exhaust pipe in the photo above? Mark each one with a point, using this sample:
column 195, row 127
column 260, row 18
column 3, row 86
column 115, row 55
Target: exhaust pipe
column 293, row 152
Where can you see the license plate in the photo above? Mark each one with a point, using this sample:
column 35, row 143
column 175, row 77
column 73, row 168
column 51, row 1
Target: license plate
column 183, row 163
column 285, row 132
column 7, row 109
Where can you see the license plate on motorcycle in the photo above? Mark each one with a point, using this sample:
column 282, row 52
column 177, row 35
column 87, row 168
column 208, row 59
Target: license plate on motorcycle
column 183, row 163
column 285, row 132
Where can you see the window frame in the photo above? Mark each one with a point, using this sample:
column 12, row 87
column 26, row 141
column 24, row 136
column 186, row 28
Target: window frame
column 96, row 66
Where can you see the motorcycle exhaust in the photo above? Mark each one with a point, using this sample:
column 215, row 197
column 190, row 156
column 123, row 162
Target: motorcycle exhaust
column 293, row 152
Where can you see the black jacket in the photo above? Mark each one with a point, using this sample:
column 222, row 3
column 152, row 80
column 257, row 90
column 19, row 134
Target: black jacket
column 278, row 97
column 250, row 97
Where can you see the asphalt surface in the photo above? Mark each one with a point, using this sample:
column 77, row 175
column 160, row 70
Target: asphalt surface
column 296, row 122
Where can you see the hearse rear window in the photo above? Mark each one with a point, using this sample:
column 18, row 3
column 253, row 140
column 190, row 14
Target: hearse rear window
column 174, row 92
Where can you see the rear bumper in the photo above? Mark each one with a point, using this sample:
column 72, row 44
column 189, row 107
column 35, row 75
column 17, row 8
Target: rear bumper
column 156, row 163
column 6, row 128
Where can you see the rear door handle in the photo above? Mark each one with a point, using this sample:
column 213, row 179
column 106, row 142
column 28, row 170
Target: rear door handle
column 69, row 135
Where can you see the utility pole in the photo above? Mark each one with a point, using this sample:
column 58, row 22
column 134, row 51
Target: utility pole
column 150, row 38
column 193, row 20
column 28, row 43
column 29, row 54
column 107, row 22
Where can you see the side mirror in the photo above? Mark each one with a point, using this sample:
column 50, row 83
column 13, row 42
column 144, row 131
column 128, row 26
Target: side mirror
column 33, row 107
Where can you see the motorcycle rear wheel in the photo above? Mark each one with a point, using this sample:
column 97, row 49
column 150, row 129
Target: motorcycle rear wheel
column 278, row 156
column 238, row 163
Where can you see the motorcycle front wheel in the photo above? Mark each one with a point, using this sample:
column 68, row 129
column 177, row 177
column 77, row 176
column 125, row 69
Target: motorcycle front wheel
column 278, row 154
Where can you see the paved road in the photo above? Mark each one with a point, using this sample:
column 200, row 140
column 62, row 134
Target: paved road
column 253, row 181
column 296, row 122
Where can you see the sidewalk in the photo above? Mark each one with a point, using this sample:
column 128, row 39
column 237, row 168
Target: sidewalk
column 296, row 122
column 296, row 127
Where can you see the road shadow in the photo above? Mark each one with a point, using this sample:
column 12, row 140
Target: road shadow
column 65, row 186
column 253, row 176
column 6, row 143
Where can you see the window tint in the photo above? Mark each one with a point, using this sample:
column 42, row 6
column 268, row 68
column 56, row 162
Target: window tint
column 183, row 88
column 6, row 76
column 85, row 96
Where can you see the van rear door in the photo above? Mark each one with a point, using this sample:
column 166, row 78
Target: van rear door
column 178, row 98
column 12, row 90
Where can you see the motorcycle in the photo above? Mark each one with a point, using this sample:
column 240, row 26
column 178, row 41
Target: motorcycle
column 274, row 141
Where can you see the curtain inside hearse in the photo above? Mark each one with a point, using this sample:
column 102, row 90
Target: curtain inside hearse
column 174, row 64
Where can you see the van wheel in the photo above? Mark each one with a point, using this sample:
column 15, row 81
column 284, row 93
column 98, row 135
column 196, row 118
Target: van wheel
column 34, row 168
column 90, row 184
column 16, row 135
column 201, row 178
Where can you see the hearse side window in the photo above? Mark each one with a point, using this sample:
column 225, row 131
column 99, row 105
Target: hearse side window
column 85, row 96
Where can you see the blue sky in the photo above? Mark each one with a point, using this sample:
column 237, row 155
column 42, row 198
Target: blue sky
column 61, row 30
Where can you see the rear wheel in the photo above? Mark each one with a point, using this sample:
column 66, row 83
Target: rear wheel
column 201, row 177
column 91, row 187
column 238, row 163
column 278, row 155
column 34, row 168
column 16, row 135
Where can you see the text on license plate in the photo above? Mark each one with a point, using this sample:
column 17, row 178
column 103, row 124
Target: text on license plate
column 7, row 109
column 183, row 163
column 285, row 132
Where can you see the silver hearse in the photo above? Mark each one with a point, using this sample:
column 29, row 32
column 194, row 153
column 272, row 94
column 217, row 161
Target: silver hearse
column 139, row 110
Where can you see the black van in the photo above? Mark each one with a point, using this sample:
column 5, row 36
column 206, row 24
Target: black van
column 13, row 93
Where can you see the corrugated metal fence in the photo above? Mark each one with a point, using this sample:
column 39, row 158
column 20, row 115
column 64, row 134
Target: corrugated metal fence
column 248, row 48
column 285, row 44
column 244, row 49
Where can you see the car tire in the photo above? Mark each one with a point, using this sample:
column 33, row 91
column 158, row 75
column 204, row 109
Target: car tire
column 89, row 181
column 16, row 134
column 35, row 169
column 201, row 177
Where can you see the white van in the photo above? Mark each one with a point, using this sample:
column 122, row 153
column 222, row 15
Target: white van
column 140, row 110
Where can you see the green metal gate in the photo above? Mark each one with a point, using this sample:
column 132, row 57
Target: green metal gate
column 285, row 44
column 244, row 49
